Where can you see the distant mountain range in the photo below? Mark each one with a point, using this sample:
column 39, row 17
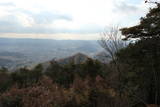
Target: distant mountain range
column 16, row 53
column 75, row 59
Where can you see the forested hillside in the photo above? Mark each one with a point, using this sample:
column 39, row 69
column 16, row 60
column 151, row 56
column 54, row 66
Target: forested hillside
column 130, row 79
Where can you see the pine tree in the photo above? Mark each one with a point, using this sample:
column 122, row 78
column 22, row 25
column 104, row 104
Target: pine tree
column 149, row 26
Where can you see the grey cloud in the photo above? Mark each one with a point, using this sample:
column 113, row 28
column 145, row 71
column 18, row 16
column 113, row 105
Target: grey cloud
column 10, row 24
column 46, row 17
column 125, row 8
column 16, row 27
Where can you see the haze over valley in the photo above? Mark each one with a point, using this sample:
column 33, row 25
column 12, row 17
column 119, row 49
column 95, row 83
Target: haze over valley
column 27, row 52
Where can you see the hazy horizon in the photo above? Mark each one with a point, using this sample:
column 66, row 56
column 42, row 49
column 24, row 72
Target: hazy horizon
column 66, row 36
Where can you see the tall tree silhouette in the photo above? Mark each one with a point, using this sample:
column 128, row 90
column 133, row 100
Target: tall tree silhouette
column 149, row 30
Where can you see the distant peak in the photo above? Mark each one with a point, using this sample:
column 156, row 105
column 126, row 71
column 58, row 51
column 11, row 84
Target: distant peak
column 80, row 54
column 76, row 59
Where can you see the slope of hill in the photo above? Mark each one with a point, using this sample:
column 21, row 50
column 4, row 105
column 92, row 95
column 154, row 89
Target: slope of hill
column 76, row 59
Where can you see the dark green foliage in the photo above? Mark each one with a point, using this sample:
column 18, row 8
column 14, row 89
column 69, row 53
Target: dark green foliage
column 92, row 68
column 11, row 101
column 25, row 77
column 143, row 72
column 149, row 26
column 5, row 80
column 36, row 73
column 59, row 74
column 64, row 74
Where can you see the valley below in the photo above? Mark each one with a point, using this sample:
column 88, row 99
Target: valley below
column 16, row 53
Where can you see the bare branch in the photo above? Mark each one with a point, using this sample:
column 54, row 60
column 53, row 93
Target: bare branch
column 111, row 42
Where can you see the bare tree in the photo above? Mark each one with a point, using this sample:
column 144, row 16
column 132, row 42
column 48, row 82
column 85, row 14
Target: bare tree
column 111, row 42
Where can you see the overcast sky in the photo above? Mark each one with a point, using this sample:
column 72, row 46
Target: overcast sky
column 66, row 19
